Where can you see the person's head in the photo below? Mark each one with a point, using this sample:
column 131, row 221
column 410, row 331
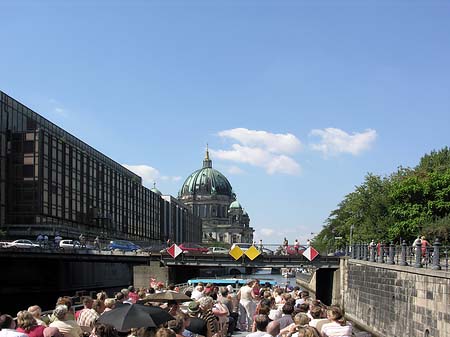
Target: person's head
column 65, row 300
column 131, row 289
column 301, row 319
column 102, row 296
column 25, row 320
column 261, row 322
column 60, row 312
column 52, row 332
column 125, row 293
column 164, row 332
column 335, row 314
column 193, row 308
column 423, row 237
column 142, row 294
column 303, row 308
column 98, row 306
column 186, row 319
column 273, row 328
column 87, row 302
column 316, row 312
column 287, row 309
column 7, row 322
column 206, row 303
column 36, row 311
column 176, row 324
column 307, row 331
column 120, row 297
column 110, row 303
column 104, row 330
column 146, row 332
column 264, row 310
column 223, row 291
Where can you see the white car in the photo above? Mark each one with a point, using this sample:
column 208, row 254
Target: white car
column 217, row 250
column 69, row 244
column 22, row 244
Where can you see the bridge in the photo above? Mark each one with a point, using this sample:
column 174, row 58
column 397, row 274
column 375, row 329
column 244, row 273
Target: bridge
column 262, row 261
column 185, row 260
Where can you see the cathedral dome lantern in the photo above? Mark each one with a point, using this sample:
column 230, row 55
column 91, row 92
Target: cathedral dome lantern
column 206, row 181
column 155, row 190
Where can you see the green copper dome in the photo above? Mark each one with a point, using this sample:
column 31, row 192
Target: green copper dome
column 206, row 181
column 235, row 204
column 155, row 190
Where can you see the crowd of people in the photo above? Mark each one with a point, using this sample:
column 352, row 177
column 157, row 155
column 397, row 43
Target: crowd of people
column 255, row 310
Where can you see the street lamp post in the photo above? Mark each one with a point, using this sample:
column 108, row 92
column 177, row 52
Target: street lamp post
column 351, row 237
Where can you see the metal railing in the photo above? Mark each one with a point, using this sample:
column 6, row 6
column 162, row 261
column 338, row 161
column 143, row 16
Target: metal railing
column 435, row 257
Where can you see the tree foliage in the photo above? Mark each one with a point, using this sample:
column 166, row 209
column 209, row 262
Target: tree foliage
column 394, row 208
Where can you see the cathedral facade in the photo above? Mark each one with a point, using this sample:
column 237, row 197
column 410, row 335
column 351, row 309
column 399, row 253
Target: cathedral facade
column 209, row 195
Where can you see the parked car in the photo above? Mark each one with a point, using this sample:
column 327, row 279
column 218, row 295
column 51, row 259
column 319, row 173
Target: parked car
column 218, row 250
column 155, row 248
column 27, row 244
column 242, row 245
column 245, row 246
column 124, row 245
column 192, row 248
column 69, row 244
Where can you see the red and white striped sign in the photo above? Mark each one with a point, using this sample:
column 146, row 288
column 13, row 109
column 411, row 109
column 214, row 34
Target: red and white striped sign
column 174, row 250
column 310, row 253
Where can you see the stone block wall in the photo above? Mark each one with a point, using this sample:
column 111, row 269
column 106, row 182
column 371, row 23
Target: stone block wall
column 396, row 301
column 143, row 274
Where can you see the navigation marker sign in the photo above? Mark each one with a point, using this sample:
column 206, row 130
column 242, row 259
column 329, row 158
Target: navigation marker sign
column 310, row 253
column 174, row 250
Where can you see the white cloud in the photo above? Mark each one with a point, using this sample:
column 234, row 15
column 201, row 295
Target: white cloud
column 272, row 142
column 267, row 232
column 335, row 141
column 150, row 174
column 57, row 108
column 261, row 149
column 235, row 170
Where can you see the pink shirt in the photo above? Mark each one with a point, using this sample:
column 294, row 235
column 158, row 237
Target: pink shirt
column 36, row 331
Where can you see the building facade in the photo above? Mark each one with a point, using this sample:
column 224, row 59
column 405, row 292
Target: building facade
column 209, row 195
column 52, row 182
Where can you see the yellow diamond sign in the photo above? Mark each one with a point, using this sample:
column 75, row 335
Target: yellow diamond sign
column 236, row 252
column 252, row 253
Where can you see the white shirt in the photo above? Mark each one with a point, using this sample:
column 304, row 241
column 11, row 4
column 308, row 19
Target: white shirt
column 334, row 329
column 11, row 333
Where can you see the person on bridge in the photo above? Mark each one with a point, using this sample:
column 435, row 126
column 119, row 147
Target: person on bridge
column 97, row 243
column 425, row 244
column 296, row 246
column 82, row 240
column 57, row 240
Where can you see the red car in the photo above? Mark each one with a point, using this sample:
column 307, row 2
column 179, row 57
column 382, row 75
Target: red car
column 192, row 248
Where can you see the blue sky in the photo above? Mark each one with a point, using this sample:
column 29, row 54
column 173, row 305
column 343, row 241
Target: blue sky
column 297, row 100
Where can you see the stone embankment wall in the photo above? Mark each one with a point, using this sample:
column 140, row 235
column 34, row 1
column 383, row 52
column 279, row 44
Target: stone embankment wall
column 394, row 301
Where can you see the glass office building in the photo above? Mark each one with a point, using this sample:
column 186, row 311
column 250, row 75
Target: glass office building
column 50, row 181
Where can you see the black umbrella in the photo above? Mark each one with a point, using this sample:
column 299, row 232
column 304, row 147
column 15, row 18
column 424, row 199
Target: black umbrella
column 168, row 296
column 127, row 317
column 158, row 315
